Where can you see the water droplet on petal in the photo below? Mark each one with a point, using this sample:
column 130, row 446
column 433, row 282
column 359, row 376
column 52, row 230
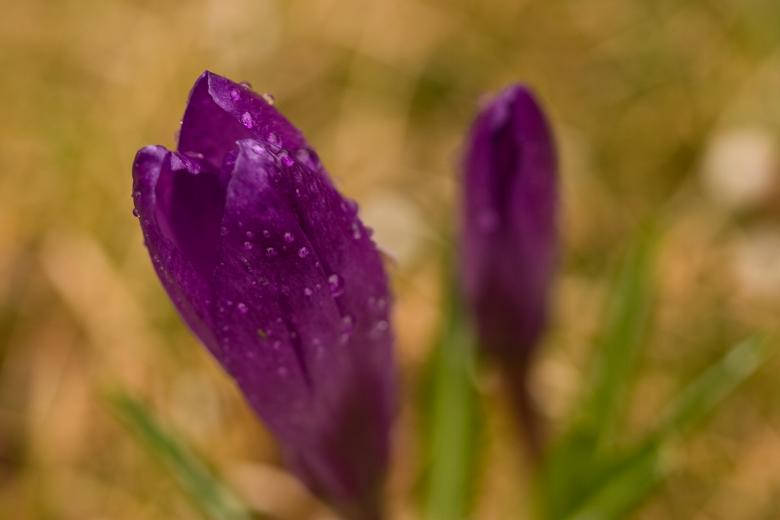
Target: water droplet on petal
column 274, row 141
column 135, row 212
column 246, row 120
column 356, row 234
column 258, row 148
column 308, row 158
column 336, row 285
column 379, row 329
column 223, row 231
column 234, row 95
column 288, row 237
column 352, row 206
column 303, row 252
column 266, row 233
column 249, row 235
column 268, row 98
column 307, row 291
column 282, row 371
column 245, row 84
column 242, row 308
column 248, row 245
column 487, row 221
column 347, row 323
column 285, row 158
column 270, row 251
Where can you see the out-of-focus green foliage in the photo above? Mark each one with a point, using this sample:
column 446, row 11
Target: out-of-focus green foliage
column 451, row 416
column 205, row 490
column 592, row 472
column 653, row 102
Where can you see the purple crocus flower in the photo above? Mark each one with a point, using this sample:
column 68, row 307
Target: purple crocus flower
column 272, row 269
column 508, row 235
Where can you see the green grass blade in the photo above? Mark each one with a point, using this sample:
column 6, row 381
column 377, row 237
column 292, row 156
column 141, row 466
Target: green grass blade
column 631, row 481
column 452, row 420
column 630, row 478
column 619, row 347
column 207, row 493
column 577, row 465
column 702, row 396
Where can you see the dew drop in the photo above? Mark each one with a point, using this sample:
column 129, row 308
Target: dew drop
column 135, row 212
column 303, row 252
column 336, row 285
column 289, row 238
column 356, row 234
column 245, row 84
column 347, row 323
column 249, row 235
column 285, row 158
column 266, row 233
column 273, row 141
column 248, row 245
column 234, row 95
column 352, row 206
column 487, row 221
column 242, row 308
column 282, row 371
column 307, row 157
column 307, row 291
column 270, row 251
column 379, row 329
column 246, row 120
column 268, row 98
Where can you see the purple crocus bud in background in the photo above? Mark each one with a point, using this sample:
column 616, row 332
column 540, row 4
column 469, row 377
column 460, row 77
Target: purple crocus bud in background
column 273, row 270
column 508, row 234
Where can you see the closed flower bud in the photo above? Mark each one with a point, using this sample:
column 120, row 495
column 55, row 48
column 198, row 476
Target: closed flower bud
column 508, row 230
column 272, row 269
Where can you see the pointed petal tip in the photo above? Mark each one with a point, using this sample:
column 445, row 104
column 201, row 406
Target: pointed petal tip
column 147, row 162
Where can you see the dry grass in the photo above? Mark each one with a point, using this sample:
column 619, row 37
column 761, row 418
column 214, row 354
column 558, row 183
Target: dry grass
column 637, row 91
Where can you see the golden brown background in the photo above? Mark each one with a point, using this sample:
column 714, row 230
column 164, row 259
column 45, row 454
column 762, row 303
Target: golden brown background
column 661, row 107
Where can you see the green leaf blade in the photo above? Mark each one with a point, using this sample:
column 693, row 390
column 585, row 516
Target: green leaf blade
column 211, row 496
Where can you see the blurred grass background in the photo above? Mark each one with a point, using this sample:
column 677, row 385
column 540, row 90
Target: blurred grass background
column 662, row 108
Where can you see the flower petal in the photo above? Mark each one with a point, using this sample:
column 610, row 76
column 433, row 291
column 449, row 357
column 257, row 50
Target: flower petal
column 221, row 112
column 303, row 318
column 183, row 278
column 509, row 225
